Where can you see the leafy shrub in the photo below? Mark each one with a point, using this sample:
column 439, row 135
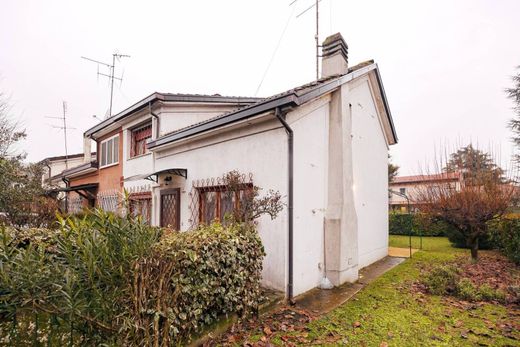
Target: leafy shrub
column 489, row 294
column 459, row 240
column 466, row 290
column 113, row 280
column 446, row 279
column 507, row 237
column 193, row 277
column 442, row 280
column 77, row 278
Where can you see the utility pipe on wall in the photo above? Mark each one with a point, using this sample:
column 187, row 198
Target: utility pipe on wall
column 290, row 151
column 156, row 120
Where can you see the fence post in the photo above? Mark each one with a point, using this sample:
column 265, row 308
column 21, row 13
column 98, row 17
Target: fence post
column 14, row 329
column 36, row 327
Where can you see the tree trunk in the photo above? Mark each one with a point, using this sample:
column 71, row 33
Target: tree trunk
column 474, row 248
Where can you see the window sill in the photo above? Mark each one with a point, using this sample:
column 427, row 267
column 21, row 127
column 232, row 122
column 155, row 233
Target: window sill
column 109, row 165
column 139, row 156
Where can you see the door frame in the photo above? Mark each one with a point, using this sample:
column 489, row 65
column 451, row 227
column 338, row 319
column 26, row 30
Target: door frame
column 171, row 191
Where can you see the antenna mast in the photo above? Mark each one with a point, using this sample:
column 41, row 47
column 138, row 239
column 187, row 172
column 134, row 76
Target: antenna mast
column 317, row 35
column 111, row 74
column 317, row 41
column 64, row 128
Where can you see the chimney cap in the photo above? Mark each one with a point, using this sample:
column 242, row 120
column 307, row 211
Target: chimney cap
column 335, row 44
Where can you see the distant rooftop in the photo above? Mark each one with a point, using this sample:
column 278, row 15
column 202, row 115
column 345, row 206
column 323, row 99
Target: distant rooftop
column 445, row 176
column 62, row 157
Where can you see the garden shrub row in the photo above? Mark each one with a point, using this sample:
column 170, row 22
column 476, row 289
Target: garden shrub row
column 504, row 233
column 420, row 224
column 104, row 279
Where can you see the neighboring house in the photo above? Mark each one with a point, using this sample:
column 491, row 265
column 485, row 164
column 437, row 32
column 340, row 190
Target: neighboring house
column 54, row 166
column 403, row 187
column 122, row 139
column 323, row 146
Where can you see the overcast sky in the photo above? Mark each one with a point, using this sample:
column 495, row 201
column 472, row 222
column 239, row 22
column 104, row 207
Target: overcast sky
column 444, row 64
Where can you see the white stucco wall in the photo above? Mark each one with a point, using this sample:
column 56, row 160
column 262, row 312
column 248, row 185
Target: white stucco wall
column 259, row 146
column 57, row 167
column 310, row 126
column 264, row 154
column 180, row 115
column 370, row 165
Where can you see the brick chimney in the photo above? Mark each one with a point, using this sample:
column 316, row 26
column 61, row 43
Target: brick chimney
column 334, row 59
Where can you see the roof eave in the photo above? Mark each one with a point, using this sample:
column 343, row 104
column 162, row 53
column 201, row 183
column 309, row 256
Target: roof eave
column 387, row 107
column 248, row 112
column 167, row 97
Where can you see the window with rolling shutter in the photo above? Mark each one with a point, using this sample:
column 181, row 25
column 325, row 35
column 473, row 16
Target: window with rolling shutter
column 139, row 137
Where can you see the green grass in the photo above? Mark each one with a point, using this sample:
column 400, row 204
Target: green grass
column 429, row 243
column 388, row 311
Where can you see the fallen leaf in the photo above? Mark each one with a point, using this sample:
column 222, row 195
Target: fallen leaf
column 356, row 324
column 383, row 344
column 267, row 330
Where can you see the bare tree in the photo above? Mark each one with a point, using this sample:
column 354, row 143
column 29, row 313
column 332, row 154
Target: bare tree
column 393, row 170
column 20, row 183
column 514, row 124
column 10, row 133
column 468, row 205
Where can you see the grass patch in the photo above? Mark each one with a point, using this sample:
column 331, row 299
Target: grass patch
column 429, row 243
column 391, row 312
column 388, row 310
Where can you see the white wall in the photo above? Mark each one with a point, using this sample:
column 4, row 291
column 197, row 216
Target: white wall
column 370, row 164
column 58, row 166
column 180, row 115
column 263, row 154
column 310, row 126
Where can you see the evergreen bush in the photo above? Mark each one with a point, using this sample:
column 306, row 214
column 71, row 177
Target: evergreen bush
column 105, row 279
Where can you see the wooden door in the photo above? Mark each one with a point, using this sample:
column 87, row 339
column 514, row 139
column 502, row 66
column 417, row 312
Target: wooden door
column 170, row 208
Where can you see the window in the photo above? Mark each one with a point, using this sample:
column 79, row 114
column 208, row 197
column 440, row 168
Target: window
column 139, row 137
column 215, row 203
column 402, row 190
column 140, row 204
column 110, row 151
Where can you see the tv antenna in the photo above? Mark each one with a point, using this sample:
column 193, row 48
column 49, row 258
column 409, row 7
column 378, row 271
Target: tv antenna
column 317, row 35
column 64, row 127
column 111, row 74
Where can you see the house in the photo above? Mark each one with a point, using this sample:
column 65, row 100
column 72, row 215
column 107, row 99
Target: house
column 323, row 145
column 404, row 189
column 54, row 166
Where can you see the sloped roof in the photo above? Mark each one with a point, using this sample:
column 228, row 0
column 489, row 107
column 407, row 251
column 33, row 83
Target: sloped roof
column 63, row 157
column 292, row 97
column 201, row 98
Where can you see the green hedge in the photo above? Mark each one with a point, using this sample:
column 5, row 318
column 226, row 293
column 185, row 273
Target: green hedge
column 103, row 279
column 400, row 224
column 506, row 236
column 192, row 278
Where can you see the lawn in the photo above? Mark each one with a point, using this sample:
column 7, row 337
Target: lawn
column 434, row 244
column 390, row 312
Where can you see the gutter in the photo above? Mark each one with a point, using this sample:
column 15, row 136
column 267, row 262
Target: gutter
column 167, row 97
column 290, row 153
column 247, row 112
column 157, row 129
column 67, row 185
